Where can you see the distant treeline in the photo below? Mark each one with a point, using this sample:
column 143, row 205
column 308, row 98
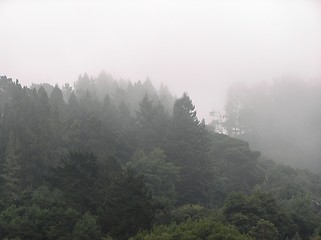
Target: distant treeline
column 109, row 159
column 282, row 120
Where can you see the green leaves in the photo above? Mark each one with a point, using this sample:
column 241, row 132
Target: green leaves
column 193, row 230
column 77, row 177
column 264, row 230
column 12, row 169
column 139, row 166
column 128, row 209
column 86, row 228
column 159, row 175
column 45, row 215
column 246, row 213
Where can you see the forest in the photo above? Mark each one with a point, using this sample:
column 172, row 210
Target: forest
column 110, row 159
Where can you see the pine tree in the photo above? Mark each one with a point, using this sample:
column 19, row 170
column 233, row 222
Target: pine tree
column 11, row 169
column 145, row 113
column 188, row 148
column 57, row 103
column 77, row 177
column 145, row 117
column 73, row 106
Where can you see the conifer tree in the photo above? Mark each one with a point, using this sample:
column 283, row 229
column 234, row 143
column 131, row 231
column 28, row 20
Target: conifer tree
column 57, row 103
column 188, row 148
column 11, row 168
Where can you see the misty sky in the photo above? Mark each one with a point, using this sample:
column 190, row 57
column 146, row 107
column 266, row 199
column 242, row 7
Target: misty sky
column 198, row 46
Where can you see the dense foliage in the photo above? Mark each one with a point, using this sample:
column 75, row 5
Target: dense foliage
column 110, row 159
column 193, row 230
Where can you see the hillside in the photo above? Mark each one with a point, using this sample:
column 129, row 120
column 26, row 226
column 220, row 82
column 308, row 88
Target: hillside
column 109, row 159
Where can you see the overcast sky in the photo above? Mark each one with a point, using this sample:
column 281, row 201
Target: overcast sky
column 199, row 46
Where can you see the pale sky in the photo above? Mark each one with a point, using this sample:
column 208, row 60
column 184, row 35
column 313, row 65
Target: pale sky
column 198, row 46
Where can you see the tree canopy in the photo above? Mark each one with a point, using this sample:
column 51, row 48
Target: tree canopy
column 111, row 159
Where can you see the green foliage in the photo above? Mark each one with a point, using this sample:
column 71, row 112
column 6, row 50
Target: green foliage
column 298, row 192
column 189, row 211
column 129, row 210
column 193, row 230
column 245, row 213
column 153, row 124
column 106, row 187
column 304, row 215
column 159, row 175
column 286, row 182
column 11, row 169
column 44, row 216
column 86, row 228
column 236, row 167
column 264, row 230
column 77, row 177
column 57, row 103
column 189, row 148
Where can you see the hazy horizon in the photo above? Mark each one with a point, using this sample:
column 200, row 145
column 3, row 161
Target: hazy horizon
column 200, row 47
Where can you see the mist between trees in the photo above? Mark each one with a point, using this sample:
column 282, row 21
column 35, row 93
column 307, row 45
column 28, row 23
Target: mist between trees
column 110, row 159
column 281, row 119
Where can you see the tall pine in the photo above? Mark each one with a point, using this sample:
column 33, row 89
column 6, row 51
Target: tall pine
column 188, row 148
column 11, row 169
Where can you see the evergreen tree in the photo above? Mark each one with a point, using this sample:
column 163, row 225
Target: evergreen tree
column 189, row 150
column 104, row 85
column 159, row 176
column 57, row 103
column 12, row 169
column 129, row 208
column 73, row 106
column 83, row 85
column 77, row 177
column 145, row 117
column 166, row 99
column 66, row 92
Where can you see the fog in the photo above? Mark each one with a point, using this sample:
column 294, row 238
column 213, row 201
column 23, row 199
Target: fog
column 100, row 138
column 280, row 119
column 201, row 47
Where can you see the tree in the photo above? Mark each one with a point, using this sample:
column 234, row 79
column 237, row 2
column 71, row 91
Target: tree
column 153, row 124
column 86, row 228
column 38, row 149
column 66, row 92
column 104, row 85
column 83, row 85
column 188, row 148
column 166, row 99
column 12, row 169
column 265, row 230
column 193, row 230
column 236, row 165
column 57, row 103
column 160, row 177
column 77, row 177
column 145, row 113
column 128, row 208
column 280, row 119
column 38, row 214
column 245, row 214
